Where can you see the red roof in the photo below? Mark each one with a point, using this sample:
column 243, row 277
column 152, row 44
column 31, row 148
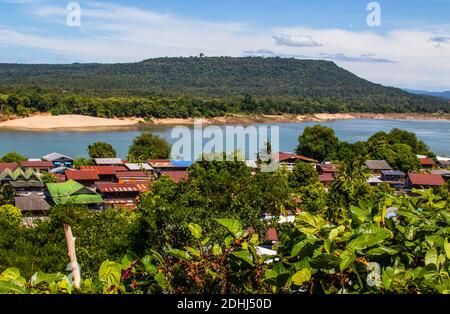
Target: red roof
column 131, row 174
column 177, row 176
column 328, row 168
column 105, row 170
column 121, row 187
column 327, row 177
column 82, row 175
column 425, row 179
column 160, row 163
column 59, row 177
column 37, row 164
column 427, row 162
column 286, row 156
column 8, row 165
column 272, row 234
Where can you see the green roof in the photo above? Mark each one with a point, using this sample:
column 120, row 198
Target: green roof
column 73, row 192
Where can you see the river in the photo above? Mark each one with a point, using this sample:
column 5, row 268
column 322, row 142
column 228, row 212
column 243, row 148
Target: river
column 435, row 133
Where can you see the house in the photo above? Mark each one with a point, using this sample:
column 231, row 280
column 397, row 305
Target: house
column 376, row 166
column 8, row 165
column 161, row 165
column 22, row 182
column 444, row 163
column 423, row 181
column 72, row 192
column 427, row 163
column 176, row 176
column 132, row 177
column 33, row 204
column 136, row 167
column 374, row 181
column 105, row 173
column 85, row 177
column 331, row 169
column 108, row 161
column 288, row 160
column 326, row 179
column 59, row 160
column 444, row 173
column 120, row 194
column 37, row 165
column 394, row 178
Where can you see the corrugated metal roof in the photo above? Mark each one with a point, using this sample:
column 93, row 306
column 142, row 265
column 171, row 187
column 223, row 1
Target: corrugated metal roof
column 181, row 163
column 131, row 174
column 176, row 176
column 104, row 170
column 121, row 187
column 56, row 156
column 83, row 175
column 134, row 166
column 37, row 164
column 378, row 165
column 282, row 156
column 108, row 161
column 425, row 179
column 160, row 163
column 392, row 173
column 427, row 161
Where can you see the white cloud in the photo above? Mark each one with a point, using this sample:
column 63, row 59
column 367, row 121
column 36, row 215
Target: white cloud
column 295, row 40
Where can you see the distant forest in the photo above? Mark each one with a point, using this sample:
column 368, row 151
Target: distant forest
column 199, row 86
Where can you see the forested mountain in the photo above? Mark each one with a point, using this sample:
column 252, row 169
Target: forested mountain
column 444, row 95
column 207, row 86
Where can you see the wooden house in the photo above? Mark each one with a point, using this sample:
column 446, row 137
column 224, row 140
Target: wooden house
column 85, row 177
column 376, row 166
column 105, row 173
column 72, row 192
column 59, row 160
column 120, row 194
column 37, row 165
column 423, row 181
column 427, row 163
column 288, row 160
column 394, row 178
column 33, row 204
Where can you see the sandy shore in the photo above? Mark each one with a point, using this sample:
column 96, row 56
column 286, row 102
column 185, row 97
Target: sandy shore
column 48, row 122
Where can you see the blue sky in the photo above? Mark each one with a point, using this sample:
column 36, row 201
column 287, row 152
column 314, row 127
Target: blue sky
column 410, row 48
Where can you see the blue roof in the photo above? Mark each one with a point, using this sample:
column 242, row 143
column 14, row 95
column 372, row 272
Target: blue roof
column 392, row 173
column 181, row 163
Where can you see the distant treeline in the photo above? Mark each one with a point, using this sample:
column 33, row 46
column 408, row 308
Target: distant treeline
column 200, row 86
column 33, row 101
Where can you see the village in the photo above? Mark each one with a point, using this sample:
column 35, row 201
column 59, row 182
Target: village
column 113, row 182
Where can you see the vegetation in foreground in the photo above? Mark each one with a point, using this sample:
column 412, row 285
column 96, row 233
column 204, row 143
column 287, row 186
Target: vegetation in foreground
column 204, row 235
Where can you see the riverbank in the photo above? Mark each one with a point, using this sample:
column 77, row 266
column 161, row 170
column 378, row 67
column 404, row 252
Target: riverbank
column 47, row 122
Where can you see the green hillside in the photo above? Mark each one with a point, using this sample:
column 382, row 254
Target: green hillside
column 207, row 86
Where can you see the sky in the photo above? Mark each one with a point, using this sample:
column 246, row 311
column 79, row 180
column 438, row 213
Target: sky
column 392, row 42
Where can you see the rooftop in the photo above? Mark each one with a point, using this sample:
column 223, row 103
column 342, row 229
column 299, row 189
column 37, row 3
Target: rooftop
column 108, row 161
column 121, row 187
column 176, row 176
column 392, row 173
column 82, row 175
column 37, row 164
column 328, row 177
column 160, row 163
column 378, row 165
column 427, row 162
column 104, row 170
column 34, row 202
column 283, row 156
column 425, row 179
column 134, row 166
column 55, row 156
column 131, row 174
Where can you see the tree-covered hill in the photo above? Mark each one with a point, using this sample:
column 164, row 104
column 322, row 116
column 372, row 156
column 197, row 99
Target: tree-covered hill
column 283, row 84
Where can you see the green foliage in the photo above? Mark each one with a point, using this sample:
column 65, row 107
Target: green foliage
column 101, row 150
column 317, row 142
column 148, row 146
column 10, row 215
column 13, row 157
column 48, row 177
column 303, row 174
column 77, row 163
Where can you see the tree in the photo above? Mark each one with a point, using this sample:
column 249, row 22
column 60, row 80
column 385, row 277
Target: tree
column 101, row 150
column 148, row 146
column 317, row 142
column 6, row 194
column 397, row 136
column 83, row 162
column 303, row 174
column 48, row 177
column 13, row 157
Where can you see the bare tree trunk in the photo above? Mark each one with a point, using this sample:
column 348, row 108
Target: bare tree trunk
column 72, row 256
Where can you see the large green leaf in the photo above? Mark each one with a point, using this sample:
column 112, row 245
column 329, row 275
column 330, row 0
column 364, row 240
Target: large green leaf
column 40, row 277
column 347, row 259
column 301, row 276
column 183, row 255
column 12, row 273
column 431, row 257
column 309, row 224
column 11, row 287
column 367, row 240
column 244, row 255
column 195, row 230
column 233, row 225
column 447, row 248
column 110, row 273
column 325, row 261
column 382, row 250
column 359, row 213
